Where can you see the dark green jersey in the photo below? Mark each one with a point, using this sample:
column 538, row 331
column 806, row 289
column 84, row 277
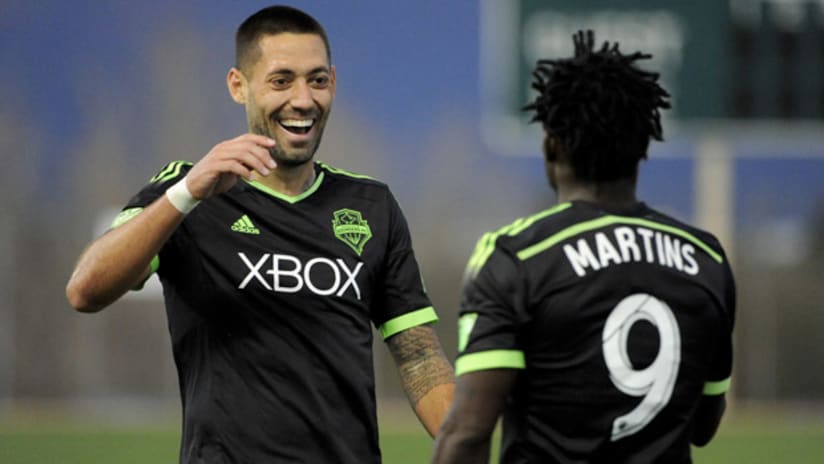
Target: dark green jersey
column 620, row 321
column 271, row 301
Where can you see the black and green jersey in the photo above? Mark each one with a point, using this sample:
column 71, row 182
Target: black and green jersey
column 270, row 302
column 619, row 321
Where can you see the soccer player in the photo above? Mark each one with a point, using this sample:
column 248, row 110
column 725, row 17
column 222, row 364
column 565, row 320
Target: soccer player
column 274, row 270
column 600, row 328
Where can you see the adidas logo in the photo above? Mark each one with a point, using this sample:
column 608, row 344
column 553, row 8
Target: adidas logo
column 244, row 225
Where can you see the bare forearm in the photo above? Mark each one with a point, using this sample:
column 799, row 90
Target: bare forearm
column 120, row 259
column 432, row 407
column 426, row 374
column 466, row 432
column 456, row 447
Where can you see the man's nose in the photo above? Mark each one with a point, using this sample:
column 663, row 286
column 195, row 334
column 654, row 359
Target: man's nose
column 302, row 95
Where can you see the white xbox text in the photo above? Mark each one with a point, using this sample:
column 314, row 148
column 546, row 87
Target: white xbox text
column 288, row 274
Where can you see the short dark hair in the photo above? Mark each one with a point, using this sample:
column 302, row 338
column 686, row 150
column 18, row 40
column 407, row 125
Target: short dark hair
column 600, row 107
column 273, row 20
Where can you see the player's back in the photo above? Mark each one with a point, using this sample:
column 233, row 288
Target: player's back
column 623, row 317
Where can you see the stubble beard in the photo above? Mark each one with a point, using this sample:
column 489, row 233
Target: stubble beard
column 278, row 153
column 282, row 159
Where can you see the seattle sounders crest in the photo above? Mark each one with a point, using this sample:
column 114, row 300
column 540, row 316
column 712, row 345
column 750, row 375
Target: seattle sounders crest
column 351, row 229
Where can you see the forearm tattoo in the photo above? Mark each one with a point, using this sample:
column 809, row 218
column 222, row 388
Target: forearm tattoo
column 421, row 362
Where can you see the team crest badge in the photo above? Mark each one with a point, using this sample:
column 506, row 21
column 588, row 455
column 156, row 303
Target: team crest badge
column 351, row 229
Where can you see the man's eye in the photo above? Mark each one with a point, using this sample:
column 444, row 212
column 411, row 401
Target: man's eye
column 281, row 82
column 320, row 81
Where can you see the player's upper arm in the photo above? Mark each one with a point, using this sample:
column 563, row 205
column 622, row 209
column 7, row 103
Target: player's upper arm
column 492, row 316
column 707, row 418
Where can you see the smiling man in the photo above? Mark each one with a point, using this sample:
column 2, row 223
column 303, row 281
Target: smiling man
column 274, row 269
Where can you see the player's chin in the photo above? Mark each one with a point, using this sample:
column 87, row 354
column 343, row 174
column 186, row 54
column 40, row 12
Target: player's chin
column 295, row 159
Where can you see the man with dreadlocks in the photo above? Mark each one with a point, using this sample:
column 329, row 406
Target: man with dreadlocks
column 600, row 328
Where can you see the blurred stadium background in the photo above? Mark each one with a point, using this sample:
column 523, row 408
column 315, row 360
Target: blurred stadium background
column 95, row 96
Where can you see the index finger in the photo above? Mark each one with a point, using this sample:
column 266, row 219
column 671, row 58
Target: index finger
column 258, row 139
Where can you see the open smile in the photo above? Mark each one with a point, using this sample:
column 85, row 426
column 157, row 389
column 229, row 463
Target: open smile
column 297, row 126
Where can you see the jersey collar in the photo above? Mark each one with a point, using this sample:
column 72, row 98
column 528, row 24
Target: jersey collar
column 290, row 199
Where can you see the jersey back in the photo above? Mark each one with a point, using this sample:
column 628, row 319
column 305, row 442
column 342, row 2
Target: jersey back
column 620, row 322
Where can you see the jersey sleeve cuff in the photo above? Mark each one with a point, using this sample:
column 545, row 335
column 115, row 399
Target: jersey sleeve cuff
column 407, row 321
column 717, row 388
column 152, row 269
column 492, row 359
column 125, row 216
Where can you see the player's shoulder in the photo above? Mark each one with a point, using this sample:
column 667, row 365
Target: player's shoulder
column 517, row 234
column 685, row 229
column 350, row 177
column 171, row 172
column 525, row 228
column 356, row 185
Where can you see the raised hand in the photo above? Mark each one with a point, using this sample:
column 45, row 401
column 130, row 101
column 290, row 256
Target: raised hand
column 227, row 162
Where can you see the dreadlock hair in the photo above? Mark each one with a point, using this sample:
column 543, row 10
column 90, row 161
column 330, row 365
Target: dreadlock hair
column 600, row 107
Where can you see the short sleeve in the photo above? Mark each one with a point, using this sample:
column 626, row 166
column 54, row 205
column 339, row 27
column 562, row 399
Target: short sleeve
column 154, row 189
column 157, row 186
column 720, row 373
column 492, row 315
column 403, row 302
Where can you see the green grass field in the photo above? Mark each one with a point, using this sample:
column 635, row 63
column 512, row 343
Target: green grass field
column 751, row 440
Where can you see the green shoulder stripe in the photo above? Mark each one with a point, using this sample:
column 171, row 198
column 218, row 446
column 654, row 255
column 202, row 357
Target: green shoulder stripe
column 486, row 244
column 593, row 224
column 170, row 171
column 335, row 170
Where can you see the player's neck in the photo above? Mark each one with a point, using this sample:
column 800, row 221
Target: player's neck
column 618, row 194
column 290, row 180
column 615, row 194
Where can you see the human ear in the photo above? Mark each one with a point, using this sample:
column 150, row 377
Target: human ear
column 238, row 86
column 550, row 148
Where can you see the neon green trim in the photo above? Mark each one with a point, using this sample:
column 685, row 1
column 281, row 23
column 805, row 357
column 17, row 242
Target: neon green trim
column 486, row 244
column 343, row 172
column 717, row 388
column 407, row 321
column 287, row 198
column 125, row 216
column 465, row 325
column 152, row 269
column 493, row 359
column 170, row 171
column 572, row 231
column 538, row 216
column 155, row 264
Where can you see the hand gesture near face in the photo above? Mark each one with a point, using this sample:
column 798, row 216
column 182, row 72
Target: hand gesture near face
column 227, row 162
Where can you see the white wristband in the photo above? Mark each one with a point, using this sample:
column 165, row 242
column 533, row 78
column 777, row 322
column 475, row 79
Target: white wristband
column 180, row 197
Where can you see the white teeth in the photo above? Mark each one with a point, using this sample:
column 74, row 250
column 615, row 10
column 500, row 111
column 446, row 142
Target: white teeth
column 297, row 122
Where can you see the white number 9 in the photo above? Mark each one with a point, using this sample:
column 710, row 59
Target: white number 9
column 656, row 381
